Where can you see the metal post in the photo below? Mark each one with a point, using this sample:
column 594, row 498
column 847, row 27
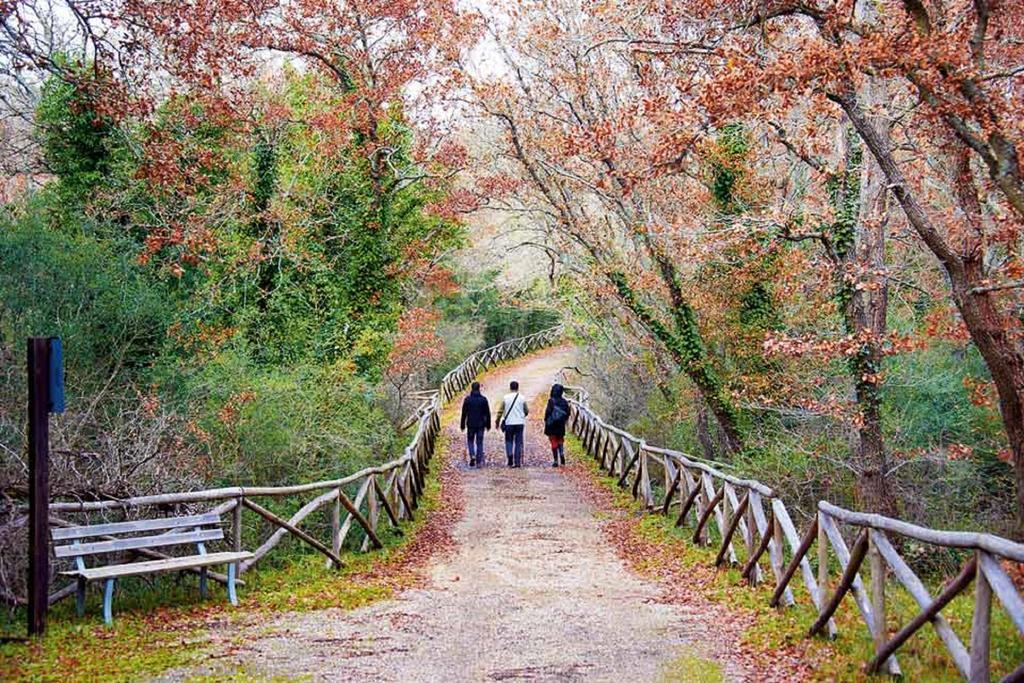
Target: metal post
column 39, row 482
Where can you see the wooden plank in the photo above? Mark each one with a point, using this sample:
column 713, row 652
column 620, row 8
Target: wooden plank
column 798, row 555
column 157, row 566
column 851, row 563
column 877, row 565
column 644, row 477
column 335, row 515
column 387, row 507
column 117, row 545
column 766, row 538
column 134, row 526
column 671, row 482
column 951, row 539
column 767, row 527
column 776, row 555
column 822, row 561
column 1002, row 585
column 981, row 623
column 954, row 588
column 789, row 531
column 363, row 522
column 278, row 535
column 905, row 575
column 856, row 586
column 712, row 505
column 730, row 497
column 688, row 503
column 360, row 495
column 405, row 501
column 671, row 493
column 616, row 456
column 734, row 522
column 236, row 527
column 709, row 490
column 626, row 468
column 294, row 530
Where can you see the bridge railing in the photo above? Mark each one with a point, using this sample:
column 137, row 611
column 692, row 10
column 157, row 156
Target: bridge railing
column 754, row 525
column 389, row 492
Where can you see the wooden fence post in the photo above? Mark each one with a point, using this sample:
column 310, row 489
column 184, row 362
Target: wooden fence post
column 336, row 525
column 877, row 565
column 822, row 562
column 980, row 624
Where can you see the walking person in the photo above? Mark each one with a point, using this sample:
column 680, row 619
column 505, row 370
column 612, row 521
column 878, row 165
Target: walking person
column 556, row 415
column 512, row 421
column 476, row 419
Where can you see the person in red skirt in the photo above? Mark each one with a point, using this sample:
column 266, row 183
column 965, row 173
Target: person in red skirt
column 556, row 415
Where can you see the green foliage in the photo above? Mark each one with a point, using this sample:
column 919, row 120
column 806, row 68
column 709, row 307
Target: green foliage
column 74, row 134
column 686, row 345
column 479, row 299
column 227, row 290
column 275, row 425
column 728, row 168
column 757, row 309
column 844, row 195
column 90, row 291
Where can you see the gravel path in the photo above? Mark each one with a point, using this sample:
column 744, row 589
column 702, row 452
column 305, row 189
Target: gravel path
column 531, row 592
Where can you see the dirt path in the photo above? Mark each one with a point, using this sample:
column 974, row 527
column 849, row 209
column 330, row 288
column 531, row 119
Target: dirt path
column 532, row 590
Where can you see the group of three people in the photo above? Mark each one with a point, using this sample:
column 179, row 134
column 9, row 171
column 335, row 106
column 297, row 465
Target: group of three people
column 476, row 419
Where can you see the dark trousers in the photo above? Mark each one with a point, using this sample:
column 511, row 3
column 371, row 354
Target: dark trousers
column 475, row 445
column 514, row 444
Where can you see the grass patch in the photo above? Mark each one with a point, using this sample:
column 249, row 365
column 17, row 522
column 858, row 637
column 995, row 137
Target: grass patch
column 923, row 658
column 159, row 623
column 689, row 668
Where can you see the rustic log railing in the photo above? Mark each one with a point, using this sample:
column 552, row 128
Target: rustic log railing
column 391, row 490
column 751, row 518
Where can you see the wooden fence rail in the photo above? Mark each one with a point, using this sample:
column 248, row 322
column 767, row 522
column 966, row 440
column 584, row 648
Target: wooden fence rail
column 753, row 521
column 394, row 487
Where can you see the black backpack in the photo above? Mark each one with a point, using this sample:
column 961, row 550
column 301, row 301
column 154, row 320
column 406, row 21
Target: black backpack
column 557, row 417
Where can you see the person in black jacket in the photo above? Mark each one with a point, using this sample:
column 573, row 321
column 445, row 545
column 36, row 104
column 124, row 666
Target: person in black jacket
column 476, row 419
column 556, row 415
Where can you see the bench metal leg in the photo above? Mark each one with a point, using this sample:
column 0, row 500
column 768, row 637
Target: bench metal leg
column 80, row 597
column 232, row 595
column 203, row 583
column 108, row 599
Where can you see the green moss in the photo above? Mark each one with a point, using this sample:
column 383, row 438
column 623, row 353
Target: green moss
column 689, row 668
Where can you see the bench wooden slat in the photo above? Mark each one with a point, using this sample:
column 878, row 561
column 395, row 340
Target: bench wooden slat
column 153, row 566
column 88, row 531
column 100, row 547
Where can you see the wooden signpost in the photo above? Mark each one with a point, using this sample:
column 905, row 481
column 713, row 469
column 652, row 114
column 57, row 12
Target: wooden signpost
column 45, row 395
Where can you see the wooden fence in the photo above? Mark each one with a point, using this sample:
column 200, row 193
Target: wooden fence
column 750, row 516
column 389, row 492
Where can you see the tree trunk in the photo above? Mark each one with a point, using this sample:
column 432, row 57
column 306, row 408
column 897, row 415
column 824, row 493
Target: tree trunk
column 988, row 328
column 707, row 443
column 866, row 313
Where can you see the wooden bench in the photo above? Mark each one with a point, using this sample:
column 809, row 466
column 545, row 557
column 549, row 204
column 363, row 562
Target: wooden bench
column 100, row 539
